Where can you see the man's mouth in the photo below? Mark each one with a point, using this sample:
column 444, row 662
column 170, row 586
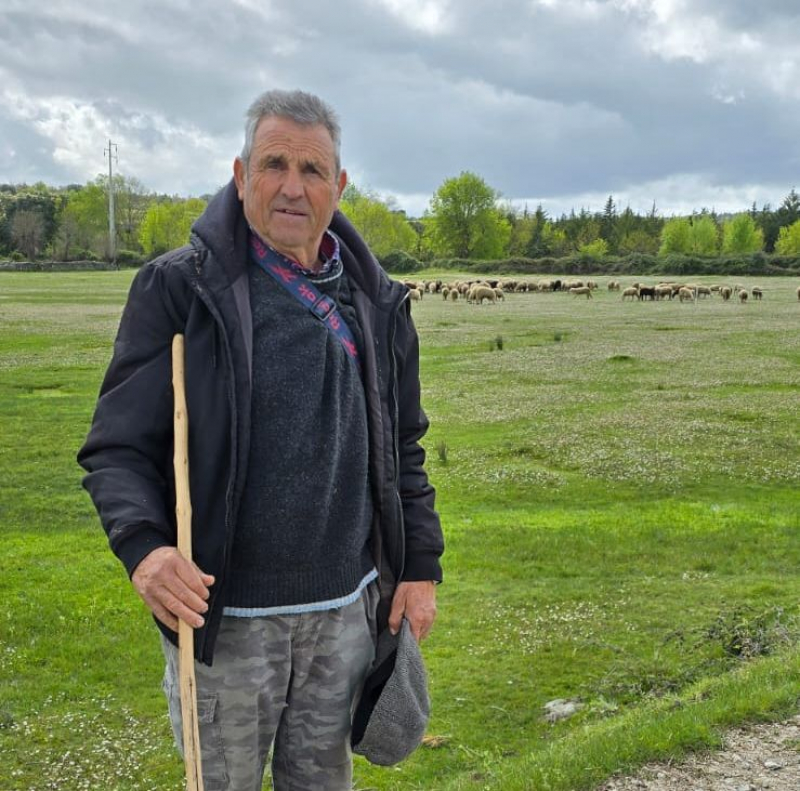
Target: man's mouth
column 292, row 212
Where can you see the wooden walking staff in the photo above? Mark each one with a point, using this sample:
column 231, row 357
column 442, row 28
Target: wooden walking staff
column 183, row 511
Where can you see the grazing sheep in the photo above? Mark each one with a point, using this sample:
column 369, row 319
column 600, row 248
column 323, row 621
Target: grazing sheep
column 499, row 292
column 415, row 294
column 703, row 291
column 663, row 292
column 479, row 293
column 579, row 291
column 726, row 292
column 591, row 284
column 757, row 292
column 454, row 295
column 545, row 285
column 743, row 295
column 686, row 294
column 631, row 292
column 737, row 288
column 613, row 285
column 445, row 292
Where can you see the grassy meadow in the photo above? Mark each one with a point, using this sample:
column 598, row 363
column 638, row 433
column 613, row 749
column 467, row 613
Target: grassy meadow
column 618, row 484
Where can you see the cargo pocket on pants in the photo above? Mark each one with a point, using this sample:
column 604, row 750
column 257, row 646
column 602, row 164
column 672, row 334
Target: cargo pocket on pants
column 212, row 751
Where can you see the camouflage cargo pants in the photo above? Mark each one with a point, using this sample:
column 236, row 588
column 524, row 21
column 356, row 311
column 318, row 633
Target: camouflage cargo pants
column 289, row 683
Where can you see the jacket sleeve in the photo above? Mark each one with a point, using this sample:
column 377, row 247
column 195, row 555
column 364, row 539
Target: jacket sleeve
column 128, row 452
column 424, row 543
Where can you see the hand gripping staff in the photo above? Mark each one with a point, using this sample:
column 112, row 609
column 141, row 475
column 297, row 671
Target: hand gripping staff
column 183, row 512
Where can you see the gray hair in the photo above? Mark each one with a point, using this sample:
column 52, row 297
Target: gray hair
column 298, row 106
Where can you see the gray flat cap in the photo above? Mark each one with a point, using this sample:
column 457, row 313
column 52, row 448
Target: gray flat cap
column 393, row 712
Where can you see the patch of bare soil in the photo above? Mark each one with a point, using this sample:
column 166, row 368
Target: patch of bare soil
column 753, row 758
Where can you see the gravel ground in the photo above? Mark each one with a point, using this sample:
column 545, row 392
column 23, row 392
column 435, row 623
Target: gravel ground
column 753, row 758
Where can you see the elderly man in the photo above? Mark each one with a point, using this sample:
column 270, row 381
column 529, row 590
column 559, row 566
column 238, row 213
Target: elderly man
column 313, row 524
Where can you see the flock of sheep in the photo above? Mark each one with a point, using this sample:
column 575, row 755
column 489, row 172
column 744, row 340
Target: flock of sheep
column 493, row 290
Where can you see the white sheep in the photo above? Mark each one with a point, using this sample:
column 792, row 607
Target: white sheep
column 579, row 291
column 726, row 292
column 631, row 292
column 479, row 293
column 415, row 294
column 686, row 294
column 757, row 292
column 743, row 295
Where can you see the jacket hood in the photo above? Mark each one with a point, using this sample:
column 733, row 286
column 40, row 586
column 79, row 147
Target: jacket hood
column 223, row 230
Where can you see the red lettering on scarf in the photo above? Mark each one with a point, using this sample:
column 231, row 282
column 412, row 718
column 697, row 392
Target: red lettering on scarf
column 351, row 347
column 306, row 292
column 259, row 246
column 283, row 273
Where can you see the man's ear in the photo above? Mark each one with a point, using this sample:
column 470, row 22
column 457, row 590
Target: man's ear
column 239, row 176
column 341, row 185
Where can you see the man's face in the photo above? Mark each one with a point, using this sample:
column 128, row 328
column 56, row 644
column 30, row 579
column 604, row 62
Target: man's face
column 290, row 188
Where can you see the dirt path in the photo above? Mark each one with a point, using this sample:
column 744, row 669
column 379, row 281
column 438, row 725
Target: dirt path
column 753, row 758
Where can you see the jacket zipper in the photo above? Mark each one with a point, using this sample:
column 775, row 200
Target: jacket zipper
column 206, row 299
column 396, row 435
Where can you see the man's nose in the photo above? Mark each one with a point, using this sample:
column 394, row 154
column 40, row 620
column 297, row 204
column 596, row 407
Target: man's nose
column 292, row 186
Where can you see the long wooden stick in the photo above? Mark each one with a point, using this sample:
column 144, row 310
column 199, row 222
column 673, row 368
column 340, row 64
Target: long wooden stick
column 183, row 511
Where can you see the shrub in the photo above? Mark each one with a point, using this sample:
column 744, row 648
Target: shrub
column 400, row 262
column 129, row 258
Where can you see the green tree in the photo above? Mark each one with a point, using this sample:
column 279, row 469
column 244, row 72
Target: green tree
column 83, row 222
column 740, row 234
column 638, row 241
column 608, row 224
column 555, row 241
column 39, row 199
column 27, row 232
column 167, row 225
column 541, row 239
column 131, row 204
column 704, row 235
column 789, row 240
column 676, row 236
column 466, row 221
column 384, row 228
column 597, row 249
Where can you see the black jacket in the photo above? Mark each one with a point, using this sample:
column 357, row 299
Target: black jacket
column 201, row 290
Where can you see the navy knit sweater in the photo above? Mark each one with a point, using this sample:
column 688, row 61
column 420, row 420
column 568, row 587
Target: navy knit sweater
column 305, row 515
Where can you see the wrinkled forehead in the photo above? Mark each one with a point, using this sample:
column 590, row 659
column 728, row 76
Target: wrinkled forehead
column 283, row 137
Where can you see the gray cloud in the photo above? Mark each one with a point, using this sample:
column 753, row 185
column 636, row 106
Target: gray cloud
column 561, row 100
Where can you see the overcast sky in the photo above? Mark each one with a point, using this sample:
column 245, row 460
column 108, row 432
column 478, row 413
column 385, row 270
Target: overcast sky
column 688, row 103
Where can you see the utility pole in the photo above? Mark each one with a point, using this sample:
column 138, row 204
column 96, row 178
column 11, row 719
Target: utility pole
column 111, row 152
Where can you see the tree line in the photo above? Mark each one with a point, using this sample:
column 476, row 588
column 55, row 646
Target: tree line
column 466, row 220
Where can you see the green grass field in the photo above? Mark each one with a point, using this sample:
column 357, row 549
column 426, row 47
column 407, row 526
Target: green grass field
column 619, row 489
